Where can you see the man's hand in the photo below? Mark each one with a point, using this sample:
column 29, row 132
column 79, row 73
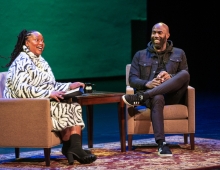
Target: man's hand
column 161, row 77
column 154, row 83
column 164, row 76
column 57, row 95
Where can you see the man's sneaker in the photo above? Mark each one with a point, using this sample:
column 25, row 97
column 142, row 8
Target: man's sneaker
column 164, row 150
column 133, row 100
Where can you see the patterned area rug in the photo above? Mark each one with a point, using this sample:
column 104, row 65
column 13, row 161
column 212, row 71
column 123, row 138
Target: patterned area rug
column 144, row 156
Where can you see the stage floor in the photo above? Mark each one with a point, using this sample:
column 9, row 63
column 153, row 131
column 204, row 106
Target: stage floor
column 106, row 143
column 144, row 156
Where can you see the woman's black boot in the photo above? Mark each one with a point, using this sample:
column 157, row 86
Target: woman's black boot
column 66, row 145
column 76, row 152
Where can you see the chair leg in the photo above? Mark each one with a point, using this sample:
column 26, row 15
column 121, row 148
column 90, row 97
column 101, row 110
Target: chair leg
column 47, row 156
column 129, row 142
column 17, row 153
column 185, row 138
column 192, row 141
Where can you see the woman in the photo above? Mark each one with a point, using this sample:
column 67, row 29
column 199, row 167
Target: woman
column 30, row 76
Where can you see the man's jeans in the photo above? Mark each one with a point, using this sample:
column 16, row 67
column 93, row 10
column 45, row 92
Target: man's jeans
column 169, row 92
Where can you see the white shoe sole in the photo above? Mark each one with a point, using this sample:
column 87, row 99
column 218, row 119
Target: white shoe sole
column 164, row 155
column 125, row 101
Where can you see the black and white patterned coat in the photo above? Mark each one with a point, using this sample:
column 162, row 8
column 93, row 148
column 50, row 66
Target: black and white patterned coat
column 30, row 76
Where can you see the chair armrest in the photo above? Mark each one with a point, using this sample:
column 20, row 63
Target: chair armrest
column 129, row 113
column 190, row 102
column 25, row 117
column 129, row 90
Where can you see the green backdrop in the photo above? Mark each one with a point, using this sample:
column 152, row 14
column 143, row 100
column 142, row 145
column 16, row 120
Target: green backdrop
column 84, row 38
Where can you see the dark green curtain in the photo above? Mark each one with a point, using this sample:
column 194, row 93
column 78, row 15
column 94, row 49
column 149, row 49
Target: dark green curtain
column 84, row 38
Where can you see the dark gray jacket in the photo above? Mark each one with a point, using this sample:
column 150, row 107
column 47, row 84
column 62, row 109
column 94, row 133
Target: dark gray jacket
column 145, row 64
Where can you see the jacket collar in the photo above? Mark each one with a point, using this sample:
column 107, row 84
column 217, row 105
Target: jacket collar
column 153, row 52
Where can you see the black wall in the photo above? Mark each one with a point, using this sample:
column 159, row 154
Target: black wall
column 138, row 35
column 195, row 28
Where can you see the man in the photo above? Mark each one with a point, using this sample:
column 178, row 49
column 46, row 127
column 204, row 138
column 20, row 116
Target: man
column 159, row 74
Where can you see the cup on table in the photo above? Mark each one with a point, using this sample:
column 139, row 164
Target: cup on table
column 89, row 88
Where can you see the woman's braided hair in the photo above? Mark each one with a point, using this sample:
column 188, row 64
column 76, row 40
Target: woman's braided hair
column 22, row 37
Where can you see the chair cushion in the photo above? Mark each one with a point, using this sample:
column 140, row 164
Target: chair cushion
column 171, row 112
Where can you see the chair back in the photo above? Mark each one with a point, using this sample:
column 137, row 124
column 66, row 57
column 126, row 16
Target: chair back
column 128, row 66
column 2, row 82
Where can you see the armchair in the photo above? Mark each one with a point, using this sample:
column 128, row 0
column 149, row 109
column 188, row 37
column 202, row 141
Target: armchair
column 178, row 119
column 26, row 123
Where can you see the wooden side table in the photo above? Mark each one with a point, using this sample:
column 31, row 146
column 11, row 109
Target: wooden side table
column 102, row 97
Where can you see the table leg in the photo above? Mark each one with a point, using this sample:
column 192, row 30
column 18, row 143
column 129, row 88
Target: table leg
column 121, row 119
column 89, row 111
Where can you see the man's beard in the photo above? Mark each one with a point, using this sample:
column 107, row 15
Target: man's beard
column 159, row 45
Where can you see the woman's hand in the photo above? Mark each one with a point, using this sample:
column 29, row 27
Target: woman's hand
column 76, row 84
column 57, row 95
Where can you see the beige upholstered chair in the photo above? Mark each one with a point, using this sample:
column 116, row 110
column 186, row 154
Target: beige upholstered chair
column 178, row 119
column 26, row 123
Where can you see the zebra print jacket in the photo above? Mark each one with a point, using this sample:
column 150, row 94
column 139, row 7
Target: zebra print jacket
column 30, row 76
